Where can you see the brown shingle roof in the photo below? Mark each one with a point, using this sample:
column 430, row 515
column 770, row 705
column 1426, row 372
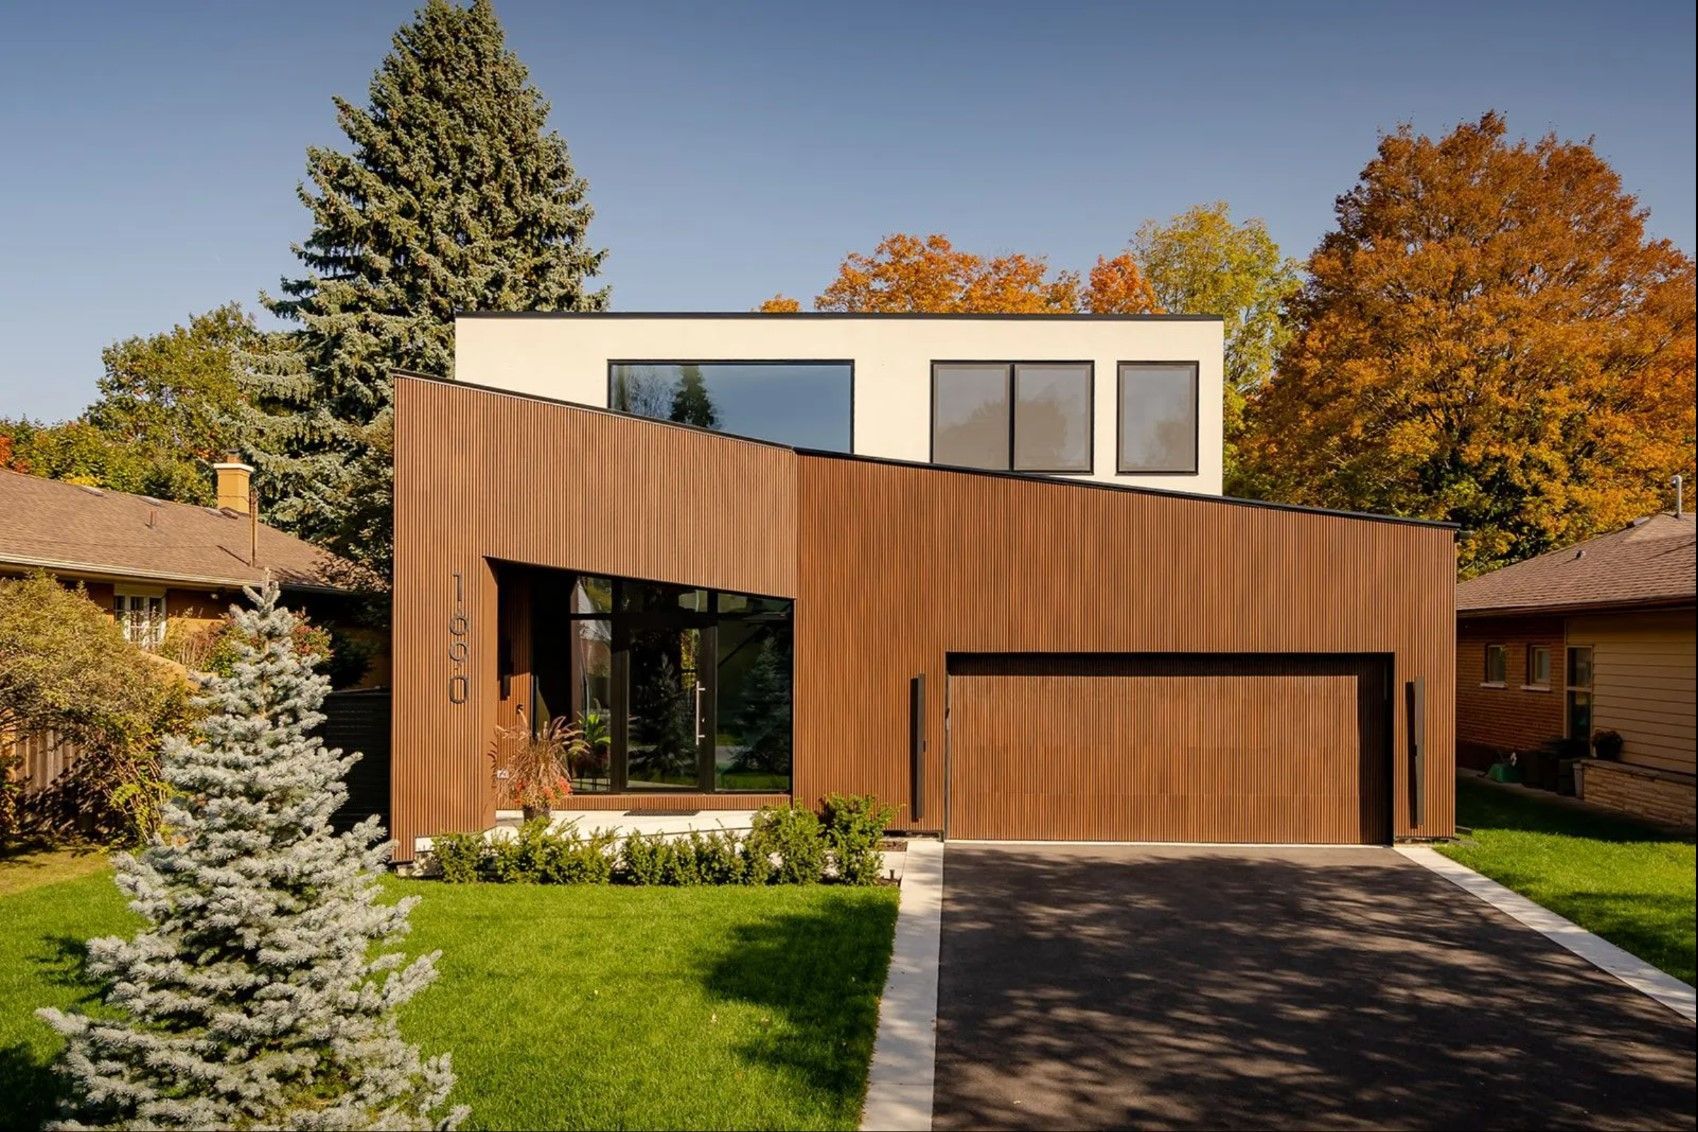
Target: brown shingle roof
column 72, row 529
column 1648, row 562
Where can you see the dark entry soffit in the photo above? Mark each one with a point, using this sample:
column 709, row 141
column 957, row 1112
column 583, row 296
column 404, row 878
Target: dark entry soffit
column 871, row 315
column 1024, row 477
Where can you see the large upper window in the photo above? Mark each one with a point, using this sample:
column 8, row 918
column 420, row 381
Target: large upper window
column 1158, row 417
column 802, row 404
column 1023, row 417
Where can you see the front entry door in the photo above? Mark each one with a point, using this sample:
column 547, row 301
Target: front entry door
column 669, row 704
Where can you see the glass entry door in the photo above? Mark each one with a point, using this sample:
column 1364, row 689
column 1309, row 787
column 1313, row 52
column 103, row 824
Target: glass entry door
column 666, row 720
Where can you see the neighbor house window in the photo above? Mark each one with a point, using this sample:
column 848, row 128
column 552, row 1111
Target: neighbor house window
column 1538, row 666
column 803, row 404
column 142, row 617
column 1158, row 417
column 1579, row 692
column 1015, row 416
column 1497, row 665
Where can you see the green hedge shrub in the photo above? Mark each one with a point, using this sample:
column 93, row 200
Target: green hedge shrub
column 791, row 838
column 459, row 856
column 854, row 824
column 786, row 845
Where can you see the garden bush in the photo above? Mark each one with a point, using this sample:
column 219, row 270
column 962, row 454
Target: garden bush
column 854, row 826
column 791, row 837
column 460, row 856
column 66, row 668
column 785, row 846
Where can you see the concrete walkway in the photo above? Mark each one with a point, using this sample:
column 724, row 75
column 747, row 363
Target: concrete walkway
column 899, row 1084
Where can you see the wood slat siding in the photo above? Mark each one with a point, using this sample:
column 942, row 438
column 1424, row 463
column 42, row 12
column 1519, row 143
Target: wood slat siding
column 1643, row 683
column 1292, row 755
column 482, row 478
column 902, row 566
column 893, row 568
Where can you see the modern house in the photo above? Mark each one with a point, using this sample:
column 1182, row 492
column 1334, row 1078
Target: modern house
column 979, row 567
column 166, row 569
column 1590, row 639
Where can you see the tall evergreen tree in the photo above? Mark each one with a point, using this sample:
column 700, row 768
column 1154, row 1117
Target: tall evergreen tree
column 263, row 988
column 455, row 196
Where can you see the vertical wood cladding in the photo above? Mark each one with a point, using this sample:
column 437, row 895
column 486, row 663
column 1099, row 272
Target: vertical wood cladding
column 894, row 568
column 483, row 478
column 902, row 566
column 1218, row 749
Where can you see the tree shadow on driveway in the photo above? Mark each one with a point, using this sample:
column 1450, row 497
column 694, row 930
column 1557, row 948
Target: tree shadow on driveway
column 1133, row 986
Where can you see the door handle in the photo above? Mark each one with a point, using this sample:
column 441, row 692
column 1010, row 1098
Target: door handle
column 698, row 711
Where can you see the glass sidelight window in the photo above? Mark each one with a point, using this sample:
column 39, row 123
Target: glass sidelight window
column 676, row 688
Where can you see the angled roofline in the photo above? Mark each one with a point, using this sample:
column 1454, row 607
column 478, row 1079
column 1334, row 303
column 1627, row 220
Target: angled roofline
column 1022, row 477
column 855, row 315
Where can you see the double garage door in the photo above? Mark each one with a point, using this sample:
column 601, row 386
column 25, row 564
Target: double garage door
column 1218, row 748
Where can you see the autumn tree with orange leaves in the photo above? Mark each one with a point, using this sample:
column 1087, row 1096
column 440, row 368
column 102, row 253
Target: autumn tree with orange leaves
column 913, row 275
column 1490, row 338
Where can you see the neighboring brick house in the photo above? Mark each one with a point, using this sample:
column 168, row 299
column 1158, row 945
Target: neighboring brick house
column 168, row 569
column 1593, row 638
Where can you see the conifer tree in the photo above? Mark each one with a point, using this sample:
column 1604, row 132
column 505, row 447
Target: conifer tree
column 263, row 988
column 454, row 196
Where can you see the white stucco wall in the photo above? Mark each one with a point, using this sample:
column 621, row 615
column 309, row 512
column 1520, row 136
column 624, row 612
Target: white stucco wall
column 566, row 357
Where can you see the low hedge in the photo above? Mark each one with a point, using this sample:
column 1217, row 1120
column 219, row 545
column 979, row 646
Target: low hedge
column 785, row 845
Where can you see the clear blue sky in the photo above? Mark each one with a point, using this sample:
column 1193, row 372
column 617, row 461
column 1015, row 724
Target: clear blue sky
column 149, row 151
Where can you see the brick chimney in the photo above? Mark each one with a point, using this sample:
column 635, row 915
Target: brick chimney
column 235, row 481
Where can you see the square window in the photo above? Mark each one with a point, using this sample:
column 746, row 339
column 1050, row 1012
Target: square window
column 1158, row 417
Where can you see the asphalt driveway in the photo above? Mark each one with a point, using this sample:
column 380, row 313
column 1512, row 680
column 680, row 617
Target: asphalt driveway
column 1116, row 986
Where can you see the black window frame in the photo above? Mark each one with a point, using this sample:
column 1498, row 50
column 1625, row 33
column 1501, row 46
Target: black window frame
column 621, row 622
column 850, row 362
column 1011, row 388
column 1120, row 368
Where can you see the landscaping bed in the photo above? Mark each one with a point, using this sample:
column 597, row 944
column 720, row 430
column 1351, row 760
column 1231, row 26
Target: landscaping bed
column 1631, row 883
column 565, row 1006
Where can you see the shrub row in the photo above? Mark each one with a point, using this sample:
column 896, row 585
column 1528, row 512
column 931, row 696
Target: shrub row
column 789, row 845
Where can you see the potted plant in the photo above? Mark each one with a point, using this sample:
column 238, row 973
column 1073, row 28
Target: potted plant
column 531, row 767
column 1607, row 744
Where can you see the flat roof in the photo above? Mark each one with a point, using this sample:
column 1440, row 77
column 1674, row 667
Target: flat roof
column 964, row 317
column 1024, row 477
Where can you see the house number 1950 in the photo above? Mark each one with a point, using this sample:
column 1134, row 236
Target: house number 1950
column 458, row 683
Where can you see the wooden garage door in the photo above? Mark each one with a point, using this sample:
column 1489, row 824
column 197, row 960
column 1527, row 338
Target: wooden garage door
column 1206, row 749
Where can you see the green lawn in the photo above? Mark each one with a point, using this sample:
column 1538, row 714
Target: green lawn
column 566, row 1007
column 1629, row 883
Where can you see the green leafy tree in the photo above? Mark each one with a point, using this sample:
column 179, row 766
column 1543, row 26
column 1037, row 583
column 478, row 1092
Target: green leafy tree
column 691, row 403
column 453, row 196
column 1200, row 262
column 168, row 405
